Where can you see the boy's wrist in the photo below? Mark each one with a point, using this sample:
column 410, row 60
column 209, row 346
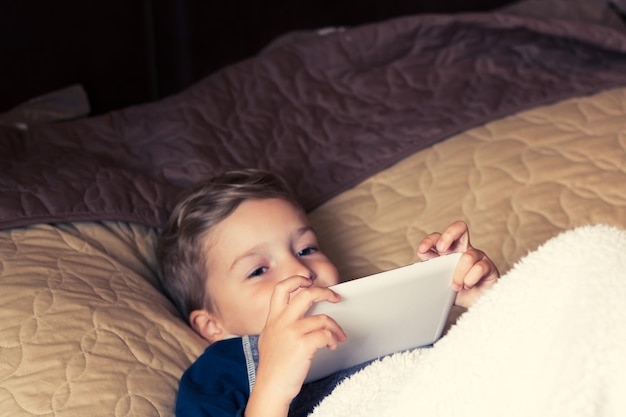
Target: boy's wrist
column 266, row 403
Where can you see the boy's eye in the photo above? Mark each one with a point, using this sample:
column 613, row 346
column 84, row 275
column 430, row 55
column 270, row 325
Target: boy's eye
column 307, row 251
column 257, row 272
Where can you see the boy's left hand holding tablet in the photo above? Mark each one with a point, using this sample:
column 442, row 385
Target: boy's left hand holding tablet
column 475, row 272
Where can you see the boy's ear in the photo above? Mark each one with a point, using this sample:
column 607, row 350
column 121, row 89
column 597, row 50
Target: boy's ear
column 206, row 325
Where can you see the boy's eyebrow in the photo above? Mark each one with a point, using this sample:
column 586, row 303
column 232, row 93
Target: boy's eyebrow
column 252, row 252
column 256, row 249
column 303, row 230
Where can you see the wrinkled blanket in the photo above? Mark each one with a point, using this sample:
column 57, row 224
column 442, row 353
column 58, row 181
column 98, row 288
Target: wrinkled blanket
column 547, row 340
column 326, row 113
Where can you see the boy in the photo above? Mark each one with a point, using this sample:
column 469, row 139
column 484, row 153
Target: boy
column 242, row 264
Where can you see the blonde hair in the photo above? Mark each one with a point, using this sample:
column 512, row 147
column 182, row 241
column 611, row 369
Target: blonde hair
column 181, row 249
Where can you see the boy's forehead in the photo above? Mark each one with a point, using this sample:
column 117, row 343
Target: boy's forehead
column 268, row 210
column 257, row 222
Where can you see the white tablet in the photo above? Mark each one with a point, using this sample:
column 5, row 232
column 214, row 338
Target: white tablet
column 387, row 312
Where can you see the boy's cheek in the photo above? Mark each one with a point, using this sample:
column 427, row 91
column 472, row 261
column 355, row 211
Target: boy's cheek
column 329, row 277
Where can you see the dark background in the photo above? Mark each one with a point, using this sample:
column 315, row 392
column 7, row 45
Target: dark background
column 126, row 52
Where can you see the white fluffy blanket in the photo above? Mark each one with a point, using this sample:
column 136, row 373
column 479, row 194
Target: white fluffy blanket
column 548, row 340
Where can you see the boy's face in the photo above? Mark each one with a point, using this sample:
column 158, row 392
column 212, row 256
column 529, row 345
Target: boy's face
column 260, row 244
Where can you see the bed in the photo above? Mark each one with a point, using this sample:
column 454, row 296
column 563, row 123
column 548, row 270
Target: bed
column 386, row 131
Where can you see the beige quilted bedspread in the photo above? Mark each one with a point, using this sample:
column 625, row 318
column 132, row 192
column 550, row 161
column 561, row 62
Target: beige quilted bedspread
column 516, row 181
column 84, row 330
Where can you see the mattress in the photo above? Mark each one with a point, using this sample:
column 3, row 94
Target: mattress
column 85, row 329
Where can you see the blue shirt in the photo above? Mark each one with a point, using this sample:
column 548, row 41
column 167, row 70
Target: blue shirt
column 219, row 382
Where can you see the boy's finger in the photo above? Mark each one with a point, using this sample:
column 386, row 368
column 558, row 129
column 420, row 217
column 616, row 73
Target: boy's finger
column 326, row 338
column 283, row 291
column 304, row 300
column 476, row 273
column 319, row 322
column 466, row 262
column 457, row 235
column 427, row 247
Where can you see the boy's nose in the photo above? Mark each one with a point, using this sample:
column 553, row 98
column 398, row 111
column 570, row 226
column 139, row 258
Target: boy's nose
column 311, row 276
column 302, row 270
column 308, row 274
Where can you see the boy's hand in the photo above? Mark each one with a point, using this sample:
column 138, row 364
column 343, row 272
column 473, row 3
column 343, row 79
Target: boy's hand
column 289, row 341
column 475, row 272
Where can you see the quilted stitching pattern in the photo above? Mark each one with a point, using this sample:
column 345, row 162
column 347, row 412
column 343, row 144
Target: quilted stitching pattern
column 326, row 114
column 517, row 181
column 82, row 330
